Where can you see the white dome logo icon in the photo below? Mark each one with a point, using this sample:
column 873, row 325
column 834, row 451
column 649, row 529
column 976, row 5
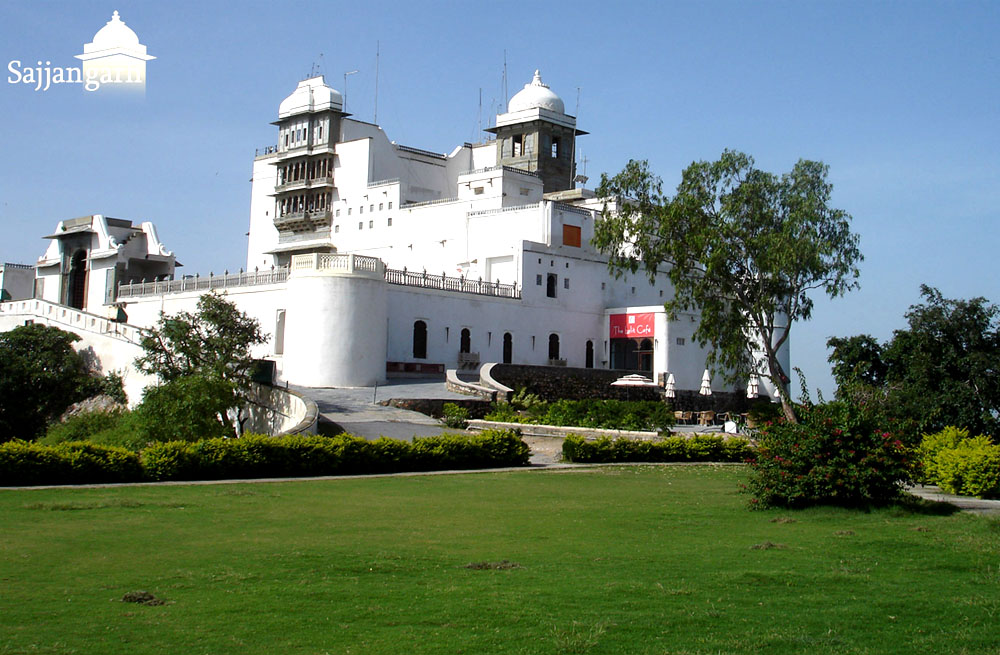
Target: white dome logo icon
column 115, row 57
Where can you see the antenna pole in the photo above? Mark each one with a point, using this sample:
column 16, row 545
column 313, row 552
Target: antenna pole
column 505, row 96
column 345, row 87
column 572, row 153
column 375, row 120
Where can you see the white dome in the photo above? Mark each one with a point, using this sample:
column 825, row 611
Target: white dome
column 311, row 95
column 535, row 95
column 115, row 34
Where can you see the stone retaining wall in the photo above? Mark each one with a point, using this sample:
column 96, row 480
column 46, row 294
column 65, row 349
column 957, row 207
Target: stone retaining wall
column 532, row 430
column 556, row 382
column 276, row 411
column 433, row 406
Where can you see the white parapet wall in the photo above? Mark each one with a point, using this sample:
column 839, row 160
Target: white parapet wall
column 276, row 411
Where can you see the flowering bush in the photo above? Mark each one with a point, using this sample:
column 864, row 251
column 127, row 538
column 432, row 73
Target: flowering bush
column 837, row 455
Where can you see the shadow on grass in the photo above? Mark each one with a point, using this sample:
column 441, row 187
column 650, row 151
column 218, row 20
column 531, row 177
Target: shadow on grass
column 910, row 504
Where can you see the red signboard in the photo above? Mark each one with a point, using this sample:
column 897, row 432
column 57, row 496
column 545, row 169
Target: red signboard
column 631, row 326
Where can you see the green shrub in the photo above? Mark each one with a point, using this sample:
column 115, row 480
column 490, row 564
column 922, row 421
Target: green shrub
column 960, row 464
column 255, row 456
column 522, row 399
column 972, row 468
column 185, row 409
column 455, row 417
column 763, row 411
column 701, row 448
column 74, row 462
column 503, row 413
column 931, row 446
column 836, row 455
column 81, row 427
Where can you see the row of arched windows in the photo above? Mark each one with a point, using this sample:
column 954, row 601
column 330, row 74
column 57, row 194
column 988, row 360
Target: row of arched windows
column 465, row 344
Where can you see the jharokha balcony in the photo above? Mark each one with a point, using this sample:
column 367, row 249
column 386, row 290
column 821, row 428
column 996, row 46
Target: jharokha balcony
column 304, row 221
column 312, row 183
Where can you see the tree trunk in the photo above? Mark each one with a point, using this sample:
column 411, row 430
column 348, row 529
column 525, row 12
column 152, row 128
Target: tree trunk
column 778, row 379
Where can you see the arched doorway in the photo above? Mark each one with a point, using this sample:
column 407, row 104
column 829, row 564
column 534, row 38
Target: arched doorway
column 419, row 340
column 77, row 292
column 465, row 343
column 553, row 346
column 589, row 362
column 508, row 348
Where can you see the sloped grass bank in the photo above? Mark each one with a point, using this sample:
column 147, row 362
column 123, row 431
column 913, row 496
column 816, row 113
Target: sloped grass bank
column 631, row 559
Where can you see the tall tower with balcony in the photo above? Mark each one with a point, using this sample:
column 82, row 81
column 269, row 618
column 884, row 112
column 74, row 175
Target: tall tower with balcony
column 537, row 135
column 308, row 129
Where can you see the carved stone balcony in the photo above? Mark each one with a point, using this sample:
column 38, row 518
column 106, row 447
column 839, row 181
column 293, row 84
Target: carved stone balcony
column 304, row 221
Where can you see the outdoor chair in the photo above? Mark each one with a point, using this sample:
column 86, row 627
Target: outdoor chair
column 706, row 418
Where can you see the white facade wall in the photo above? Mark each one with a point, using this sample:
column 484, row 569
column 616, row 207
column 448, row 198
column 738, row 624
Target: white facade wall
column 487, row 319
column 16, row 281
column 263, row 235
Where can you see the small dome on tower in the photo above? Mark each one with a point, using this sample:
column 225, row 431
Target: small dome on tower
column 115, row 34
column 311, row 95
column 536, row 94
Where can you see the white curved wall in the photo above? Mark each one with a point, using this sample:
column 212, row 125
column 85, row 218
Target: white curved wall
column 335, row 334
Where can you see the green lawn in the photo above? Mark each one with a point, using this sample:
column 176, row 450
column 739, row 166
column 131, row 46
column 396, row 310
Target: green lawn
column 611, row 560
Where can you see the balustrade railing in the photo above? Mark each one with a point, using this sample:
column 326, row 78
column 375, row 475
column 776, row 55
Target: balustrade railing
column 321, row 261
column 207, row 283
column 447, row 283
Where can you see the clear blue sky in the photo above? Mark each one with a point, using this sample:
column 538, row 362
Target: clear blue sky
column 900, row 99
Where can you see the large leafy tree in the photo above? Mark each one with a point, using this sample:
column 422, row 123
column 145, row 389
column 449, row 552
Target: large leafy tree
column 207, row 350
column 744, row 247
column 856, row 360
column 41, row 374
column 943, row 369
column 213, row 342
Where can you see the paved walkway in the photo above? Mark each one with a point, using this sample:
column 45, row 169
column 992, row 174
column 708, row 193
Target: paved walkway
column 355, row 409
column 966, row 504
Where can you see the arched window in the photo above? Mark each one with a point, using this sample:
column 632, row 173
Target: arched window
column 553, row 346
column 590, row 355
column 508, row 348
column 465, row 343
column 419, row 340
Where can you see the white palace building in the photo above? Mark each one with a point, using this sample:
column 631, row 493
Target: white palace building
column 368, row 259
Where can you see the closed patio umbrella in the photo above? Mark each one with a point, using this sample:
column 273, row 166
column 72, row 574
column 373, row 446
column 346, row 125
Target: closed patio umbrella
column 670, row 389
column 706, row 384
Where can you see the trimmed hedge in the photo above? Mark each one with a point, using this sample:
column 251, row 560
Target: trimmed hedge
column 73, row 462
column 256, row 456
column 701, row 448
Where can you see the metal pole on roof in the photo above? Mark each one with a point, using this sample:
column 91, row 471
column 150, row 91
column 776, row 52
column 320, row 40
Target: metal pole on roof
column 345, row 87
